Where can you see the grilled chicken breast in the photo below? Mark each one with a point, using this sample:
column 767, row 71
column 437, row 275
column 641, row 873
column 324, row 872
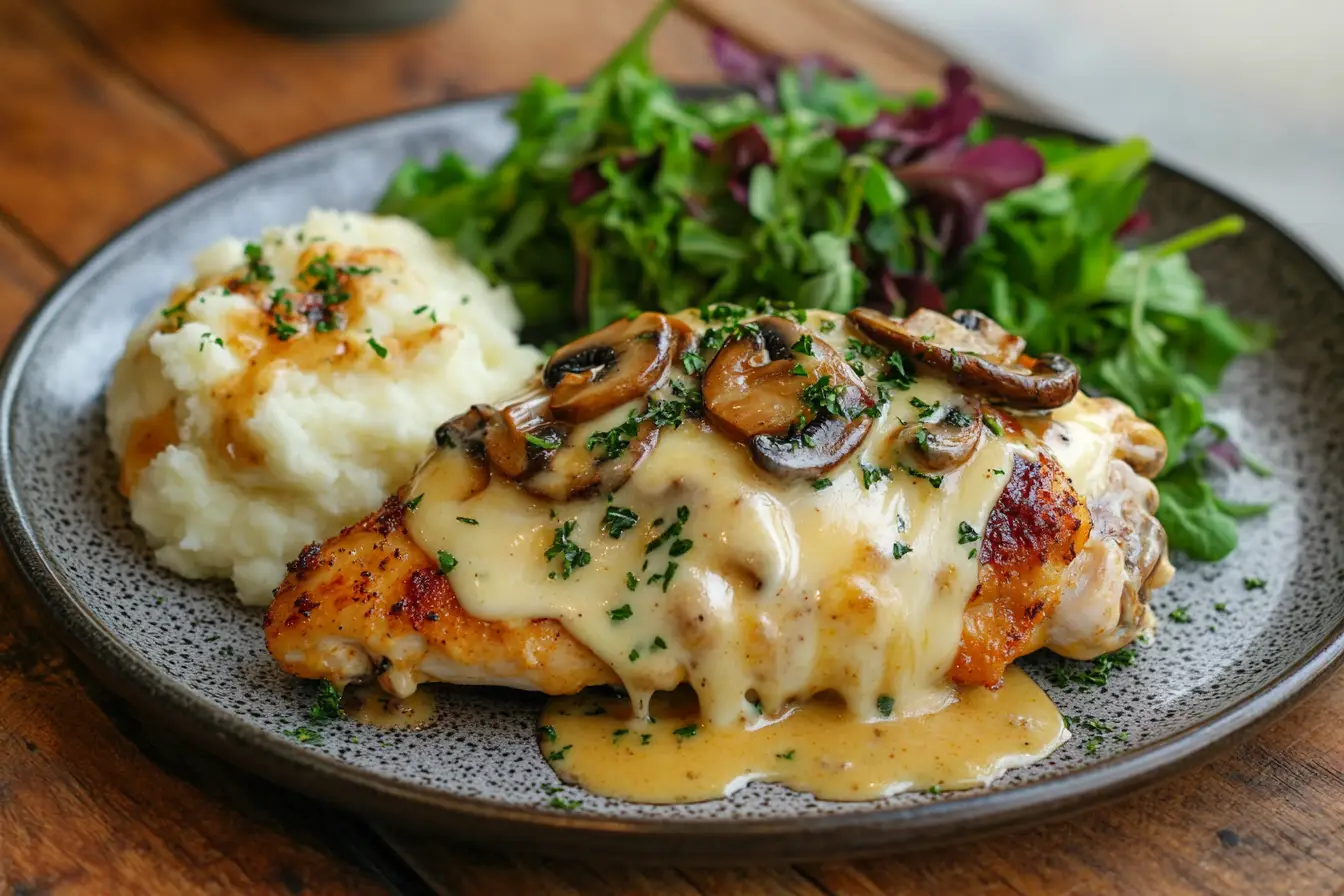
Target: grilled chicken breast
column 1063, row 556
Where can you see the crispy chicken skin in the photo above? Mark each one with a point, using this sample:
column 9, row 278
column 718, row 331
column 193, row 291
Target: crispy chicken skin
column 370, row 603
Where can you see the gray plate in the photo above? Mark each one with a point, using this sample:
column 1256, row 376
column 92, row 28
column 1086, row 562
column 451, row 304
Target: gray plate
column 186, row 654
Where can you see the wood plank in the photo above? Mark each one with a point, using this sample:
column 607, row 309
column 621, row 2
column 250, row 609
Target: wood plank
column 278, row 89
column 85, row 149
column 83, row 809
column 24, row 275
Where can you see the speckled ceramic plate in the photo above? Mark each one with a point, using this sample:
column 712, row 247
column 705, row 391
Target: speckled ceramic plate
column 187, row 654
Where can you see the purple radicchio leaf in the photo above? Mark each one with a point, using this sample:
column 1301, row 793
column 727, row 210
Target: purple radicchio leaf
column 904, row 293
column 923, row 128
column 1226, row 452
column 1134, row 225
column 955, row 184
column 746, row 67
column 743, row 151
column 584, row 184
column 704, row 144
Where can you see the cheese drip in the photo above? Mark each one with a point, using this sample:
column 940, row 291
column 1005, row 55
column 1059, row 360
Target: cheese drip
column 773, row 590
column 818, row 747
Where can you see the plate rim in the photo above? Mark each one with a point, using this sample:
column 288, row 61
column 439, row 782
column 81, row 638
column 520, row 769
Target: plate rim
column 199, row 721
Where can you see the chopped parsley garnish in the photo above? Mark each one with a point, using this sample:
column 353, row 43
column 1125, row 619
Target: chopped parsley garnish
column 798, row 370
column 872, row 474
column 377, row 347
column 821, row 483
column 992, row 421
column 935, row 481
column 421, row 310
column 788, row 755
column 934, row 790
column 209, row 337
column 803, row 346
column 548, row 731
column 644, row 739
column 305, row 735
column 558, row 755
column 966, row 533
column 821, row 397
column 997, row 472
column 282, row 329
column 658, row 644
column 634, row 655
column 618, row 519
column 1180, row 614
column 1221, row 608
column 619, row 733
column 900, row 549
column 630, row 581
column 539, row 442
column 564, row 804
column 415, row 502
column 468, row 520
column 694, row 364
column 686, row 731
column 665, row 576
column 571, row 556
column 679, row 547
column 897, row 373
column 926, row 410
column 922, row 438
column 1251, row 583
column 956, row 417
column 328, row 705
column 621, row 613
column 256, row 271
column 1094, row 673
column 671, row 532
column 826, row 326
column 885, row 705
column 447, row 562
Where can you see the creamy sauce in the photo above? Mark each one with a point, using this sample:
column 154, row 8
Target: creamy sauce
column 149, row 436
column 783, row 591
column 371, row 705
column 818, row 747
column 776, row 591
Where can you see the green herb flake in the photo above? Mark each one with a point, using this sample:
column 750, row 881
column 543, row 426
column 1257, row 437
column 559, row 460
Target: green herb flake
column 900, row 549
column 819, row 484
column 539, row 442
column 1180, row 614
column 328, row 704
column 378, row 348
column 966, row 533
column 305, row 735
column 618, row 520
column 559, row 755
column 803, row 346
column 885, row 706
column 447, row 562
column 468, row 520
column 621, row 613
column 415, row 502
column 1251, row 584
column 658, row 644
column 788, row 755
column 571, row 556
column 633, row 656
column 686, row 731
column 548, row 732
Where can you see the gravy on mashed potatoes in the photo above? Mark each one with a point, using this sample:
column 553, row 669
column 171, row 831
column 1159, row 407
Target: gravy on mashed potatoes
column 295, row 383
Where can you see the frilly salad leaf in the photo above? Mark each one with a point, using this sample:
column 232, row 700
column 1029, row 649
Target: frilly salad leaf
column 813, row 187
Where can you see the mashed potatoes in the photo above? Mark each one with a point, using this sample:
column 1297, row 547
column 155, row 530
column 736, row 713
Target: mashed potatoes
column 295, row 384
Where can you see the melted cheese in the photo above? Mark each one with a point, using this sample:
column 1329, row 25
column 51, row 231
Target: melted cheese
column 786, row 590
column 818, row 747
column 778, row 591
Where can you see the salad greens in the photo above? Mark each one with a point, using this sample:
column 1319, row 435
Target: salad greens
column 811, row 186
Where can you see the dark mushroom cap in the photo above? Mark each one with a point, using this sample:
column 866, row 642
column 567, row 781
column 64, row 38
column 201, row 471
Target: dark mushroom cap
column 460, row 461
column 994, row 342
column 753, row 392
column 517, row 437
column 573, row 471
column 819, row 446
column 606, row 369
column 1050, row 382
column 753, row 387
column 944, row 439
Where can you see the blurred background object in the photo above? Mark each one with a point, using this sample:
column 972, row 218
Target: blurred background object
column 329, row 17
column 1244, row 93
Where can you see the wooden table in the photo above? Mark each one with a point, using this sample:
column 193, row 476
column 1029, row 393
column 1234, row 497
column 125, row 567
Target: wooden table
column 109, row 106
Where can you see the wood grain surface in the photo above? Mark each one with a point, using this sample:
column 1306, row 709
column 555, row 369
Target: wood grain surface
column 108, row 107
